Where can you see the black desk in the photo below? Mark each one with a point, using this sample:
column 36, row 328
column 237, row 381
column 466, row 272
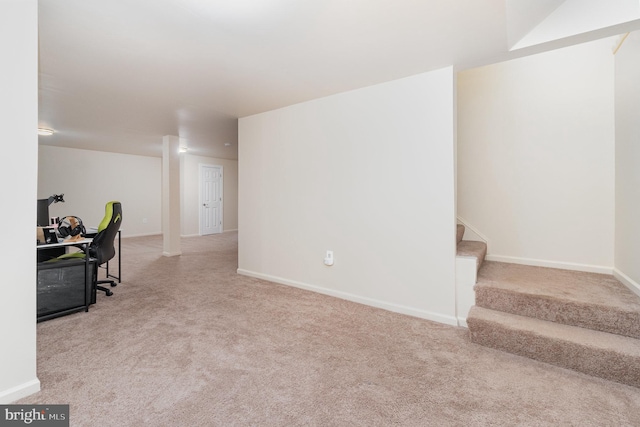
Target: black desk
column 45, row 253
column 66, row 286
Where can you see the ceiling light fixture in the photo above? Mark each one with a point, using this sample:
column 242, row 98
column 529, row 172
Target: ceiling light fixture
column 182, row 149
column 45, row 131
column 227, row 144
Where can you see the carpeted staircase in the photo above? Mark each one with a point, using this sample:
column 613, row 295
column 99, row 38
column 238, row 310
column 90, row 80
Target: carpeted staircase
column 469, row 248
column 582, row 321
column 470, row 255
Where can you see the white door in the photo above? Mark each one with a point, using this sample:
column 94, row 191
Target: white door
column 210, row 199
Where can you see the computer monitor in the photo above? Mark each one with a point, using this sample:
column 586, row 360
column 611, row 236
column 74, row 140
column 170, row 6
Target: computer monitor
column 43, row 212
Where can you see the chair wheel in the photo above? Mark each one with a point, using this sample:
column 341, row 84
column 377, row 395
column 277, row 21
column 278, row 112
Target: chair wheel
column 113, row 284
column 109, row 293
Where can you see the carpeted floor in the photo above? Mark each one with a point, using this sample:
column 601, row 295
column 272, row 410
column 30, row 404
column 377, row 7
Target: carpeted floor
column 185, row 341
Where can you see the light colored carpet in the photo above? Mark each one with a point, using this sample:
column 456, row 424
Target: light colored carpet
column 470, row 248
column 185, row 341
column 459, row 233
column 588, row 300
column 583, row 321
column 478, row 250
column 609, row 356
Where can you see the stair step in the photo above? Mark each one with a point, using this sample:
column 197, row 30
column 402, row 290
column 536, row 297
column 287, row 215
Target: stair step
column 609, row 356
column 473, row 249
column 587, row 300
column 459, row 233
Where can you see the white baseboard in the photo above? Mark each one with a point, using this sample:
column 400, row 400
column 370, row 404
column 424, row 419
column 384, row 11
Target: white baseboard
column 18, row 392
column 423, row 314
column 551, row 264
column 160, row 234
column 142, row 235
column 200, row 235
column 627, row 281
column 169, row 254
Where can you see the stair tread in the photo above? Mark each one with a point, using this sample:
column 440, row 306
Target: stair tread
column 564, row 284
column 471, row 248
column 609, row 356
column 595, row 301
column 558, row 331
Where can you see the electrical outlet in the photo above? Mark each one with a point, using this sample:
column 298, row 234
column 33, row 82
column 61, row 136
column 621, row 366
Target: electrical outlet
column 328, row 258
column 144, row 220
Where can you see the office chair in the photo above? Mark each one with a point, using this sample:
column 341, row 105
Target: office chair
column 102, row 247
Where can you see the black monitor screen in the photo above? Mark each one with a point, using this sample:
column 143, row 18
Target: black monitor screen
column 43, row 212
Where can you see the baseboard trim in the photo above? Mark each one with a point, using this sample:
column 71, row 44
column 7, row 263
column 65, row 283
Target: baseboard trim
column 141, row 235
column 423, row 314
column 160, row 234
column 169, row 254
column 551, row 264
column 20, row 391
column 627, row 281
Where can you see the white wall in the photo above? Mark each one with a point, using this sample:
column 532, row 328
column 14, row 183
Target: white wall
column 90, row 179
column 19, row 120
column 627, row 248
column 536, row 156
column 368, row 174
column 190, row 183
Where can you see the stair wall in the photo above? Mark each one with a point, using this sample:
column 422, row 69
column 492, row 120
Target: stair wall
column 469, row 258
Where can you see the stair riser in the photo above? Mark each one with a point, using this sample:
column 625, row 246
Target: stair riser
column 571, row 313
column 606, row 364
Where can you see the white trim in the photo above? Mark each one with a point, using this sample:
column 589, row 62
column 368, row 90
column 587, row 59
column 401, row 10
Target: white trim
column 552, row 264
column 20, row 391
column 627, row 281
column 200, row 235
column 169, row 254
column 474, row 231
column 158, row 233
column 423, row 314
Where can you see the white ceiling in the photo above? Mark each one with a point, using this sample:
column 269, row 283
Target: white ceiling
column 117, row 75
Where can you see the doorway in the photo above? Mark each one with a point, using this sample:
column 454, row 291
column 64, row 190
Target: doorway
column 210, row 199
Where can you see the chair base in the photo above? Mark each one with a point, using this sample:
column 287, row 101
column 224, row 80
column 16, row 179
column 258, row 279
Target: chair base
column 107, row 291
